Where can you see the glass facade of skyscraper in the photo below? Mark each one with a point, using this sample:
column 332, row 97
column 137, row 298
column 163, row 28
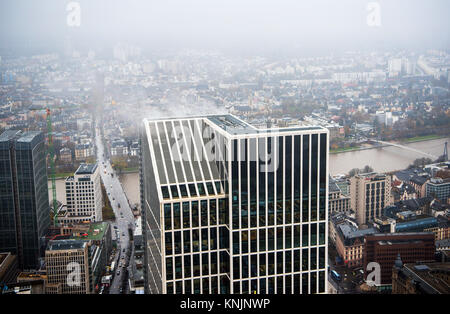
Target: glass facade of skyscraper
column 24, row 196
column 229, row 208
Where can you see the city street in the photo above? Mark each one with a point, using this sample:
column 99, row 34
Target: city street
column 122, row 211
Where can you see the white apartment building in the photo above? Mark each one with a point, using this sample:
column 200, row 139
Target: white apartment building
column 84, row 195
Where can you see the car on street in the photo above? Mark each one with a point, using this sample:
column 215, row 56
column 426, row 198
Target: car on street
column 118, row 273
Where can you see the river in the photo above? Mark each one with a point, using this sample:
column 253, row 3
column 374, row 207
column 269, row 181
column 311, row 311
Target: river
column 384, row 159
column 380, row 159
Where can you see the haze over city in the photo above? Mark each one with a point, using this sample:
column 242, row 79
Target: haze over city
column 192, row 147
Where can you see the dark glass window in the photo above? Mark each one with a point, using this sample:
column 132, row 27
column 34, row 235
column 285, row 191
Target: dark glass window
column 210, row 188
column 186, row 218
column 305, row 233
column 177, row 242
column 262, row 240
column 280, row 262
column 174, row 190
column 236, row 268
column 313, row 259
column 262, row 264
column 205, row 264
column 187, row 266
column 195, row 216
column 192, row 190
column 214, row 266
column 245, row 266
column 204, row 239
column 168, row 243
column 169, row 268
column 313, row 282
column 205, row 283
column 236, row 242
column 305, row 259
column 183, row 190
column 296, row 260
column 176, row 216
column 187, row 287
column 271, row 239
column 196, row 265
column 165, row 192
column 167, row 217
column 212, row 212
column 204, row 212
column 187, row 241
column 244, row 237
column 201, row 189
column 254, row 266
column 213, row 238
column 178, row 269
column 195, row 240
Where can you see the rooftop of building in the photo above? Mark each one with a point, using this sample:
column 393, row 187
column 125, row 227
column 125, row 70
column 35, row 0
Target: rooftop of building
column 19, row 136
column 181, row 149
column 138, row 228
column 351, row 232
column 429, row 277
column 235, row 126
column 373, row 176
column 29, row 136
column 96, row 232
column 59, row 245
column 402, row 234
column 86, row 169
column 333, row 187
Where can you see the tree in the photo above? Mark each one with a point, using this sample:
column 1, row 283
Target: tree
column 353, row 172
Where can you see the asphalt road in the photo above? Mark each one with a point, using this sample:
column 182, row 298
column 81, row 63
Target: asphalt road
column 124, row 215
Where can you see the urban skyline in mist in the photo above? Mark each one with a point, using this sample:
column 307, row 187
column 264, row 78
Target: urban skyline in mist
column 239, row 27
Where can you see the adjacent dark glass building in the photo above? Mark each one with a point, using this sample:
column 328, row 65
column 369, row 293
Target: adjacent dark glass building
column 228, row 208
column 24, row 204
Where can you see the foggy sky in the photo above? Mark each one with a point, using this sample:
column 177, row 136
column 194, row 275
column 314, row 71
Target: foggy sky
column 38, row 26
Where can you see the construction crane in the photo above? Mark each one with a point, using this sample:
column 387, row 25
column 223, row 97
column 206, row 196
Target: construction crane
column 51, row 154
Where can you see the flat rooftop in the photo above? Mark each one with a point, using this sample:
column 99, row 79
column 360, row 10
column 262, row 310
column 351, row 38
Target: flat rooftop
column 59, row 245
column 431, row 277
column 19, row 136
column 86, row 169
column 96, row 231
column 235, row 126
column 180, row 147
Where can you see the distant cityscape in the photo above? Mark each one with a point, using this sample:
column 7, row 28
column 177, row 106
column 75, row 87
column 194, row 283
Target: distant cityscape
column 87, row 183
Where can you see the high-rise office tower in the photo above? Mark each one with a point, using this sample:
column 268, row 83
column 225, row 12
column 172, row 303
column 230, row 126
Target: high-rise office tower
column 24, row 204
column 370, row 193
column 228, row 208
column 84, row 195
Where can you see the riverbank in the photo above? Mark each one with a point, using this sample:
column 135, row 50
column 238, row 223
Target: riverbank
column 422, row 138
column 354, row 149
column 410, row 140
column 129, row 170
column 63, row 175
